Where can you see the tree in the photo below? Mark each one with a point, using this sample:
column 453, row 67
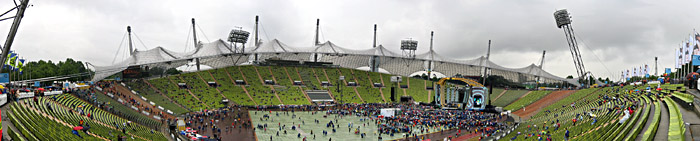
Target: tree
column 569, row 77
column 172, row 71
column 41, row 69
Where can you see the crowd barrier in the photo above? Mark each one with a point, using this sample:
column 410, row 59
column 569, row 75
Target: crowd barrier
column 25, row 95
column 3, row 99
column 48, row 93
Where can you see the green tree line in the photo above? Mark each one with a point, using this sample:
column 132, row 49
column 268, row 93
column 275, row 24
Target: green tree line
column 41, row 69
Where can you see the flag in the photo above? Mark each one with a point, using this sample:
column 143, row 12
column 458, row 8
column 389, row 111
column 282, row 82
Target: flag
column 691, row 45
column 20, row 65
column 13, row 62
column 688, row 51
column 679, row 58
column 9, row 63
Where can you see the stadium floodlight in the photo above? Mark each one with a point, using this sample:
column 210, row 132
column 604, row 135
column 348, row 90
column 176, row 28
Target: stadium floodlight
column 562, row 18
column 409, row 44
column 409, row 47
column 238, row 36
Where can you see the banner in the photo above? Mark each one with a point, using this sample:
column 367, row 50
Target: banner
column 3, row 99
column 25, row 95
column 696, row 60
column 646, row 70
column 679, row 58
column 693, row 46
column 696, row 42
column 52, row 93
column 4, row 78
column 688, row 50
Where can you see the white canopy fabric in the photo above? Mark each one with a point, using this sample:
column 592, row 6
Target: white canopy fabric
column 219, row 54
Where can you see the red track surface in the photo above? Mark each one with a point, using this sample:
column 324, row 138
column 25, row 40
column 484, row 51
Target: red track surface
column 533, row 108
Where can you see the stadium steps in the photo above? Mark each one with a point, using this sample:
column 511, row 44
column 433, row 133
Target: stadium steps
column 371, row 83
column 13, row 131
column 296, row 71
column 408, row 81
column 24, row 105
column 662, row 131
column 100, row 119
column 215, row 81
column 315, row 75
column 285, row 77
column 263, row 82
column 425, row 83
column 290, row 94
column 652, row 123
column 188, row 91
column 161, row 93
column 329, row 81
column 233, row 82
column 524, row 95
column 126, row 91
column 242, row 86
column 676, row 128
column 300, row 89
column 618, row 135
column 644, row 119
column 385, row 84
column 354, row 88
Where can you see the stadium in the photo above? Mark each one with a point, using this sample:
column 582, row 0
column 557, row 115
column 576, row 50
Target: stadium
column 234, row 92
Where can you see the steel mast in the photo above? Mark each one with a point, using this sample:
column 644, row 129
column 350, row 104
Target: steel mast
column 563, row 20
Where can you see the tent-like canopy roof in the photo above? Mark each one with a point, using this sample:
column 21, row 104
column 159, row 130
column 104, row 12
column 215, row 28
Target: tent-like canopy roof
column 219, row 48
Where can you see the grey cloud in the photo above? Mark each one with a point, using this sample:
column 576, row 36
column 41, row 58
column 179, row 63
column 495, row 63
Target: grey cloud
column 623, row 34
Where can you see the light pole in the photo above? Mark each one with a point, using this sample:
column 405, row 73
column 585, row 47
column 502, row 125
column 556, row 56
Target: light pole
column 341, row 78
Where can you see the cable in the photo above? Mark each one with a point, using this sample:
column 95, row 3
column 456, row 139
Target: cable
column 120, row 47
column 323, row 36
column 205, row 35
column 585, row 44
column 187, row 41
column 138, row 38
column 264, row 31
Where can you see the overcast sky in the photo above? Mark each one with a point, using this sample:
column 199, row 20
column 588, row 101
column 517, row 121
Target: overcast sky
column 614, row 34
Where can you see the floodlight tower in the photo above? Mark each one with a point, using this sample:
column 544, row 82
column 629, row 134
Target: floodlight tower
column 409, row 46
column 238, row 36
column 563, row 20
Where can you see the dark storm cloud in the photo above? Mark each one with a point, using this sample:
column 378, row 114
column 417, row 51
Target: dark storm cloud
column 622, row 34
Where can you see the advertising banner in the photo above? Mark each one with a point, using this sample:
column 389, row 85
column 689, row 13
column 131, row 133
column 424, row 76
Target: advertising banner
column 696, row 60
